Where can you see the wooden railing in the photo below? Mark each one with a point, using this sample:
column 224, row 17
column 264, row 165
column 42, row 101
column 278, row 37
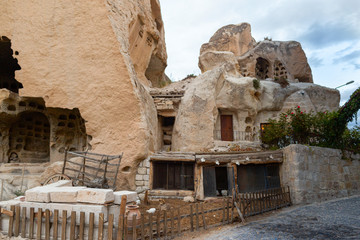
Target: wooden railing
column 46, row 224
column 239, row 136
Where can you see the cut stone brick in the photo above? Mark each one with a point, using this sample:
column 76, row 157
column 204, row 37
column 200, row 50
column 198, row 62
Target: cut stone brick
column 95, row 195
column 38, row 194
column 64, row 194
column 61, row 183
column 131, row 196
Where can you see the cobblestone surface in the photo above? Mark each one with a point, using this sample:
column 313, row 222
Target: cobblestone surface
column 337, row 219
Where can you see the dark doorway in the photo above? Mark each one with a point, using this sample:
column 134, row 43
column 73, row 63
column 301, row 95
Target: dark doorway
column 227, row 133
column 167, row 125
column 8, row 66
column 173, row 175
column 254, row 177
column 215, row 180
column 262, row 68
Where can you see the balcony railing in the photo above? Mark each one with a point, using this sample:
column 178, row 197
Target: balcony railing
column 239, row 136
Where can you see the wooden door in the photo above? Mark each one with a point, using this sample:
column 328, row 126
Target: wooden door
column 209, row 181
column 227, row 128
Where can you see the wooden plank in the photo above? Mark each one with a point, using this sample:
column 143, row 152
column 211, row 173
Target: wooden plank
column 158, row 224
column 179, row 193
column 197, row 216
column 23, row 222
column 142, row 227
column 91, row 226
column 223, row 211
column 39, row 223
column 82, row 226
column 110, row 226
column 31, row 227
column 17, row 221
column 125, row 225
column 165, row 224
column 239, row 212
column 63, row 225
column 101, row 226
column 72, row 225
column 47, row 224
column 150, row 226
column 121, row 218
column 11, row 222
column 203, row 215
column 191, row 218
column 172, row 223
column 228, row 210
column 133, row 227
column 55, row 224
column 179, row 221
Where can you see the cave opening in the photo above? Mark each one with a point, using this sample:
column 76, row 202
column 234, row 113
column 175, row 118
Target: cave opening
column 8, row 66
column 262, row 68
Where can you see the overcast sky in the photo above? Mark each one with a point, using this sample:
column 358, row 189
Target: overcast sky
column 328, row 30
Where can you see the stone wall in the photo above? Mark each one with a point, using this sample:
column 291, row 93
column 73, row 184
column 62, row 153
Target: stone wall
column 142, row 178
column 318, row 174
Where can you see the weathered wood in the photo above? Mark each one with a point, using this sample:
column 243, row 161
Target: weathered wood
column 172, row 223
column 133, row 227
column 165, row 224
column 121, row 218
column 239, row 212
column 150, row 226
column 11, row 222
column 228, row 210
column 223, row 211
column 6, row 212
column 91, row 226
column 179, row 221
column 82, row 226
column 173, row 157
column 72, row 225
column 142, row 227
column 17, row 221
column 39, row 224
column 158, row 223
column 197, row 216
column 55, row 224
column 47, row 224
column 191, row 218
column 31, row 227
column 178, row 193
column 63, row 225
column 110, row 226
column 101, row 226
column 23, row 222
column 203, row 215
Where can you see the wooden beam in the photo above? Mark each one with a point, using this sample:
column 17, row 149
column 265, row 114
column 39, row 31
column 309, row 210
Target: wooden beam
column 178, row 193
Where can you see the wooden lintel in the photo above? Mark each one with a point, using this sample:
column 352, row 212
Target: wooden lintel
column 173, row 158
column 256, row 157
column 258, row 161
column 178, row 193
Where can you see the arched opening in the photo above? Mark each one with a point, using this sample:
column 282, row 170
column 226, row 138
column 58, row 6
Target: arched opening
column 8, row 66
column 29, row 138
column 262, row 68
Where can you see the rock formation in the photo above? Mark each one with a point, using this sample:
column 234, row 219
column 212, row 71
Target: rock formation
column 248, row 83
column 99, row 57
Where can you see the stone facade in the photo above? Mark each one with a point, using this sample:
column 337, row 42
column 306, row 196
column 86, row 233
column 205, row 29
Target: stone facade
column 317, row 174
column 142, row 178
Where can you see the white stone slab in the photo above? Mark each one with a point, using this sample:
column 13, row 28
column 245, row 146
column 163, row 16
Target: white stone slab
column 131, row 196
column 96, row 196
column 7, row 204
column 38, row 194
column 64, row 194
column 60, row 183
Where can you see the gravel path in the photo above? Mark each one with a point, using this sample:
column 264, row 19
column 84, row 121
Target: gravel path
column 336, row 219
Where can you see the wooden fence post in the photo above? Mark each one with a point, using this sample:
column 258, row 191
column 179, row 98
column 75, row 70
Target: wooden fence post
column 11, row 222
column 81, row 225
column 47, row 224
column 23, row 222
column 17, row 221
column 91, row 226
column 63, row 225
column 134, row 227
column 179, row 221
column 39, row 223
column 120, row 232
column 197, row 216
column 55, row 224
column 191, row 218
column 158, row 223
column 110, row 226
column 72, row 225
column 31, row 227
column 203, row 215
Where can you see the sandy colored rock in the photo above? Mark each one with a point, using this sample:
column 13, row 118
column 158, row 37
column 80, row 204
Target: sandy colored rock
column 64, row 194
column 95, row 196
column 131, row 196
column 231, row 38
column 212, row 59
column 98, row 57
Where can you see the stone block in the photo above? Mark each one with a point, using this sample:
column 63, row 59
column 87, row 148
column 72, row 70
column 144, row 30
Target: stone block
column 95, row 195
column 61, row 183
column 147, row 163
column 141, row 170
column 146, row 177
column 64, row 194
column 87, row 209
column 7, row 204
column 138, row 177
column 131, row 196
column 38, row 194
column 148, row 171
column 139, row 183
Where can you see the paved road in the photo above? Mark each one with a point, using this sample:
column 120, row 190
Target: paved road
column 337, row 219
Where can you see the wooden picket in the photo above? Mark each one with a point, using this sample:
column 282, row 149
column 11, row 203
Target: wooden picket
column 164, row 223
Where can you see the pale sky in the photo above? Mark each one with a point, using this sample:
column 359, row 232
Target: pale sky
column 328, row 31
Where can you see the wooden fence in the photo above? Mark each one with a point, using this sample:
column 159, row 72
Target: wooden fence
column 46, row 224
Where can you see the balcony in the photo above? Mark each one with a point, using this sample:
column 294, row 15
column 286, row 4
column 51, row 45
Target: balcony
column 236, row 136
